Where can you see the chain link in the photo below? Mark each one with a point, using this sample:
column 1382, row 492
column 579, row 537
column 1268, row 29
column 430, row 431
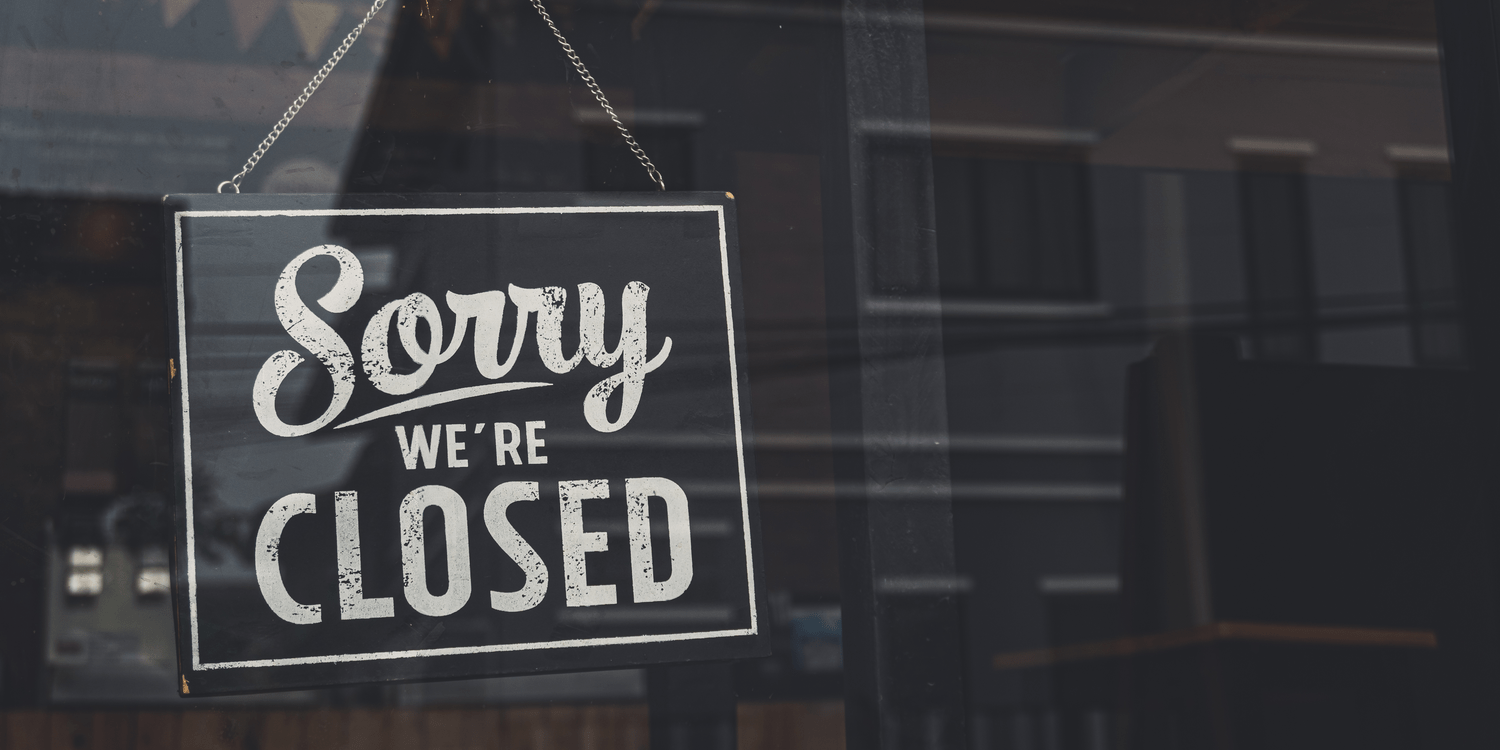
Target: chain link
column 307, row 92
column 598, row 93
column 338, row 54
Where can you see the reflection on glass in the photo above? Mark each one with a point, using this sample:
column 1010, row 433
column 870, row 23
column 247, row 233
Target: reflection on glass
column 1200, row 336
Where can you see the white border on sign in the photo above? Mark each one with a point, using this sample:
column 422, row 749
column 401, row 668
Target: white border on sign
column 187, row 449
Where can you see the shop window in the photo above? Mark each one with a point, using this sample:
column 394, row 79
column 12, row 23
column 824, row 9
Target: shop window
column 92, row 430
column 1014, row 228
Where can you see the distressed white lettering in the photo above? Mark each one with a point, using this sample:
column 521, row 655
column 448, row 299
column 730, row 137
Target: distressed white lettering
column 577, row 543
column 353, row 605
column 408, row 312
column 414, row 550
column 313, row 333
column 486, row 311
column 268, row 560
column 454, row 446
column 632, row 349
column 420, row 444
column 644, row 586
column 533, row 443
column 507, row 443
column 513, row 544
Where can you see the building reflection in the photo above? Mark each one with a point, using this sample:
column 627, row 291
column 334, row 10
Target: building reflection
column 1101, row 182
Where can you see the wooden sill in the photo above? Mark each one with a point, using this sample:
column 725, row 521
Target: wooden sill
column 1323, row 635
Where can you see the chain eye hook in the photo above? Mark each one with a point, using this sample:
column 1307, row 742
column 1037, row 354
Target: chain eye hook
column 593, row 86
column 307, row 92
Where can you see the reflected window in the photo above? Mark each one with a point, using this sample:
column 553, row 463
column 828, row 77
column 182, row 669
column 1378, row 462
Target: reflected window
column 1278, row 258
column 1014, row 228
column 1432, row 286
column 85, row 571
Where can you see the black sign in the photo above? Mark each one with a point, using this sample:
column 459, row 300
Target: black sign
column 439, row 436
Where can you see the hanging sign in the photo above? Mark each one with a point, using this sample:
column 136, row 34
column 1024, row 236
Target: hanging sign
column 439, row 436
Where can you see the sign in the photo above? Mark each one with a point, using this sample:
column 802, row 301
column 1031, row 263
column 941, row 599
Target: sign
column 439, row 436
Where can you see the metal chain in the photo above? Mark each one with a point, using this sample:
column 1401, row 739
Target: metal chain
column 343, row 48
column 593, row 85
column 307, row 93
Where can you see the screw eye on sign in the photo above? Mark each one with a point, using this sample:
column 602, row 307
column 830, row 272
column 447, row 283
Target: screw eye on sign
column 441, row 436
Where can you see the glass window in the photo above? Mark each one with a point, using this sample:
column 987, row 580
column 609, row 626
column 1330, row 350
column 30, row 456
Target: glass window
column 1118, row 371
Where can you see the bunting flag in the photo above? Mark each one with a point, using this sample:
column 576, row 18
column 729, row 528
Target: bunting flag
column 172, row 11
column 314, row 21
column 249, row 17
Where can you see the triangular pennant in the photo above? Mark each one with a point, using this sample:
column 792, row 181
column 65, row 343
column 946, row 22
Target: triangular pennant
column 314, row 20
column 172, row 11
column 249, row 17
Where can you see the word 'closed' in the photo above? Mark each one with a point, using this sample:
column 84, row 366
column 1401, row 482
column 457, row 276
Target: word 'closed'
column 576, row 546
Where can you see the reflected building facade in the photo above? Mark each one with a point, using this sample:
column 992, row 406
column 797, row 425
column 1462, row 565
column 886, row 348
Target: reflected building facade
column 1082, row 188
